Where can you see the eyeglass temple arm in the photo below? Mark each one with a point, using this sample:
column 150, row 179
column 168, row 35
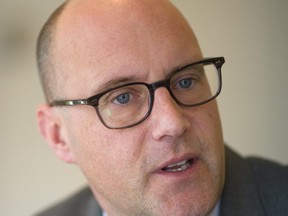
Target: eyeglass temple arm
column 69, row 102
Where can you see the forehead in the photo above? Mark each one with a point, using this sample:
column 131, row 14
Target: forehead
column 98, row 42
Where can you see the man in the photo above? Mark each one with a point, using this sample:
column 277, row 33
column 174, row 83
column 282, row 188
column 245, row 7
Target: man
column 128, row 101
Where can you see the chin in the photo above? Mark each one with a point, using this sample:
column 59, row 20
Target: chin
column 195, row 203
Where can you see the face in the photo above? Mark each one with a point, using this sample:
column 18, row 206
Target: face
column 173, row 162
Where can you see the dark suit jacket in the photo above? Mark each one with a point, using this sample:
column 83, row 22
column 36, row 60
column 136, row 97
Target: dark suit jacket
column 253, row 187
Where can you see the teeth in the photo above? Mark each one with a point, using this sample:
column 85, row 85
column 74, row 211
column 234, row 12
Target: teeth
column 177, row 164
column 181, row 166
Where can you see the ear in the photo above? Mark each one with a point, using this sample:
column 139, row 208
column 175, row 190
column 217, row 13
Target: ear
column 52, row 129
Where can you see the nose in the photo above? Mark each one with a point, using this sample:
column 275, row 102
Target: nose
column 167, row 117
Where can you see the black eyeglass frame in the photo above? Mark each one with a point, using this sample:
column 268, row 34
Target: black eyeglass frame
column 94, row 100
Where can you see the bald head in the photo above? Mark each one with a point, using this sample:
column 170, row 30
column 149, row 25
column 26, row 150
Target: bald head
column 90, row 30
column 44, row 53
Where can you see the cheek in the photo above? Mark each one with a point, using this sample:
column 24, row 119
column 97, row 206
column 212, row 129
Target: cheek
column 207, row 127
column 97, row 149
column 208, row 124
column 103, row 154
column 208, row 130
column 111, row 163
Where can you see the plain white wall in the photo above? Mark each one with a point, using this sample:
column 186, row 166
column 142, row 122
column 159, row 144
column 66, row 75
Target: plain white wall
column 253, row 37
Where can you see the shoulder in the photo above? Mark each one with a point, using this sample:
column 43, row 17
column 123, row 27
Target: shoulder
column 267, row 171
column 254, row 186
column 272, row 181
column 260, row 165
column 263, row 170
column 82, row 203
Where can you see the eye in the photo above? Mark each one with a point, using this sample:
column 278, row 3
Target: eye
column 185, row 83
column 185, row 80
column 123, row 98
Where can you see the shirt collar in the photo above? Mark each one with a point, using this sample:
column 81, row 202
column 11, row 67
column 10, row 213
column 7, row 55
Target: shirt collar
column 216, row 210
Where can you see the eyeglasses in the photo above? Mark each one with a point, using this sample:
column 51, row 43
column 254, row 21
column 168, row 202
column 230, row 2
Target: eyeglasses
column 130, row 104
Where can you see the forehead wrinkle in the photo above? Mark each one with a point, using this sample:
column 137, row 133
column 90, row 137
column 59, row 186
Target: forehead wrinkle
column 115, row 82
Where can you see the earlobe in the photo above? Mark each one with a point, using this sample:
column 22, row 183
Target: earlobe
column 52, row 129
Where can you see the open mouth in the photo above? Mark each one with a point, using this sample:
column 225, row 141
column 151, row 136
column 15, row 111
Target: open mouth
column 178, row 167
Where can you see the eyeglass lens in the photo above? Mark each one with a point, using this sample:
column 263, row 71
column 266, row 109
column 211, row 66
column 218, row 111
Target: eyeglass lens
column 129, row 105
column 124, row 106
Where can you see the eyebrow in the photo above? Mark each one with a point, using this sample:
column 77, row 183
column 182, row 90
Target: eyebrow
column 112, row 83
column 115, row 82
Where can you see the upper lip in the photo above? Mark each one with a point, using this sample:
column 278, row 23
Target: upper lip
column 175, row 160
